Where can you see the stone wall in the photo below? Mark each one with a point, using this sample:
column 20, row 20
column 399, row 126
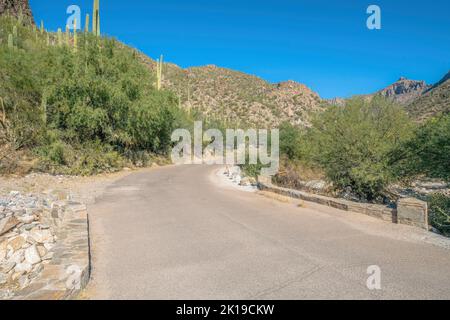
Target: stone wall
column 410, row 211
column 44, row 246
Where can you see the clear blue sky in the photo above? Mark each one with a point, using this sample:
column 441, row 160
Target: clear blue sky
column 322, row 43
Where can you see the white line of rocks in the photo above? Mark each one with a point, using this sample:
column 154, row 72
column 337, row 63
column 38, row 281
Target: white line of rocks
column 27, row 236
column 235, row 174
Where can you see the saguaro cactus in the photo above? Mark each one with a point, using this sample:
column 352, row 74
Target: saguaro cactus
column 42, row 26
column 159, row 65
column 86, row 25
column 60, row 37
column 10, row 41
column 67, row 35
column 75, row 36
column 96, row 18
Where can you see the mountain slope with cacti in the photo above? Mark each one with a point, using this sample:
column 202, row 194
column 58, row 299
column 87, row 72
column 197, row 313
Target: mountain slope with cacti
column 420, row 100
column 78, row 103
column 238, row 98
column 434, row 101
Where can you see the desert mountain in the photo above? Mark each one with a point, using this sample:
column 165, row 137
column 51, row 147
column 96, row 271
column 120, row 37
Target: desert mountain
column 433, row 101
column 420, row 100
column 237, row 97
column 404, row 91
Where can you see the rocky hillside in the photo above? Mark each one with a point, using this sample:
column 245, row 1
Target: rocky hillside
column 421, row 101
column 15, row 8
column 404, row 91
column 434, row 101
column 239, row 98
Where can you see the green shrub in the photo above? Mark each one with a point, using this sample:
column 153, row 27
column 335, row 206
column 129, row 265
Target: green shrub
column 83, row 111
column 291, row 141
column 440, row 212
column 353, row 144
column 428, row 151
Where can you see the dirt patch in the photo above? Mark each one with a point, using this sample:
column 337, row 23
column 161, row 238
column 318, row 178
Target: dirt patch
column 81, row 189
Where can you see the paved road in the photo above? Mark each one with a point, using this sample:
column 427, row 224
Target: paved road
column 176, row 233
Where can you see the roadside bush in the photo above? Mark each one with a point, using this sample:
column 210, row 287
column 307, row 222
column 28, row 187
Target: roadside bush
column 81, row 111
column 428, row 151
column 353, row 144
column 439, row 206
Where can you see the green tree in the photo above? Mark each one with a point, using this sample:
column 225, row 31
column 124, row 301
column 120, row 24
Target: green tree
column 353, row 144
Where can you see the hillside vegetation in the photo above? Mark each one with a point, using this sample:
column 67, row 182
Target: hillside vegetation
column 421, row 101
column 238, row 98
column 78, row 105
column 434, row 101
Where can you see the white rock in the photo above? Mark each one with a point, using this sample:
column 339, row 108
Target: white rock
column 32, row 255
column 49, row 246
column 14, row 194
column 16, row 276
column 26, row 219
column 41, row 236
column 3, row 278
column 24, row 281
column 7, row 267
column 17, row 257
column 48, row 256
column 23, row 267
column 42, row 251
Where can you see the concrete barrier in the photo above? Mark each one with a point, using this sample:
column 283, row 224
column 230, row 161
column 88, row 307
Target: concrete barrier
column 413, row 212
column 409, row 211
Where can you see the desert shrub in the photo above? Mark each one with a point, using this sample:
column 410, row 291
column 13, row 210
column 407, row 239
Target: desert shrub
column 353, row 144
column 83, row 111
column 291, row 141
column 428, row 151
column 439, row 205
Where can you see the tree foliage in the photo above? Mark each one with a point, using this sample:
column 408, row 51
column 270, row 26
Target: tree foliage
column 61, row 102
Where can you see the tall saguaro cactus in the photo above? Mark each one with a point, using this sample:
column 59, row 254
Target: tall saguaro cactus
column 96, row 18
column 10, row 41
column 86, row 25
column 159, row 65
column 67, row 35
column 75, row 36
column 60, row 37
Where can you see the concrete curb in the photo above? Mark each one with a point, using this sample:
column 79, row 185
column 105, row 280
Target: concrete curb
column 419, row 218
column 69, row 271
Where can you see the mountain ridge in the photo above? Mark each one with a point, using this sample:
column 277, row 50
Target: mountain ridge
column 238, row 97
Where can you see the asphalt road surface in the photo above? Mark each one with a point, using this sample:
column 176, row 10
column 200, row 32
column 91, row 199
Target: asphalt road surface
column 181, row 233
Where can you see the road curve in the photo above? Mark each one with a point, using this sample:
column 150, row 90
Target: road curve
column 176, row 233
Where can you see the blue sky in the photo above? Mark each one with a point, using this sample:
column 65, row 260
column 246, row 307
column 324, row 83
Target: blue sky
column 324, row 44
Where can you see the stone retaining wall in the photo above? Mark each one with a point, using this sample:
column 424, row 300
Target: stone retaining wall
column 69, row 270
column 411, row 211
